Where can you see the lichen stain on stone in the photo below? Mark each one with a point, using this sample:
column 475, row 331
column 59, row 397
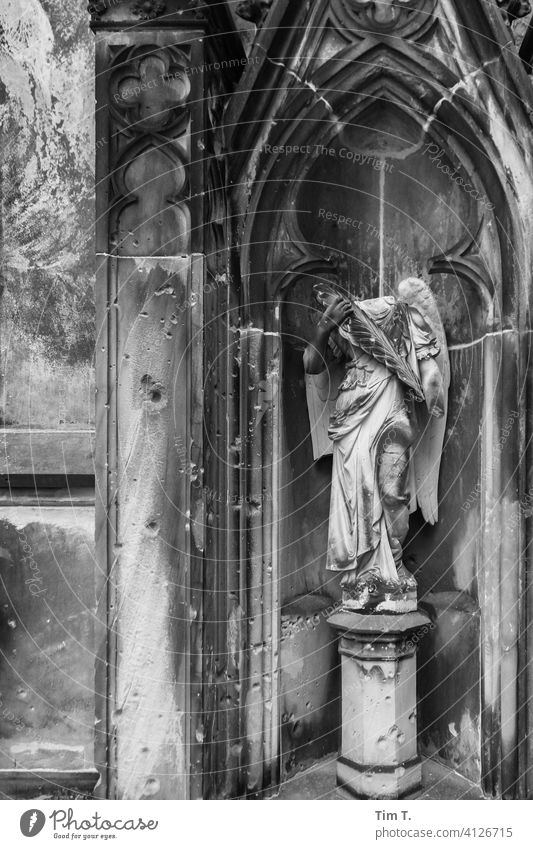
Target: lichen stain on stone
column 234, row 636
column 198, row 523
column 463, row 745
column 47, row 251
column 465, row 394
column 273, row 367
column 146, row 685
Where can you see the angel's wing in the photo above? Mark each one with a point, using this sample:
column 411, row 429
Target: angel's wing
column 322, row 390
column 427, row 451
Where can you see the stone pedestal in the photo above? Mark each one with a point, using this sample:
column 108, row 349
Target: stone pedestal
column 378, row 757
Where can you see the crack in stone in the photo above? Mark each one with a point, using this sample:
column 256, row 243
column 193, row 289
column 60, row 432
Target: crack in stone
column 311, row 86
column 450, row 95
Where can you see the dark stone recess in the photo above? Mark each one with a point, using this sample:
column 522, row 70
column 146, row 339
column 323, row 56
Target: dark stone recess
column 448, row 682
column 310, row 684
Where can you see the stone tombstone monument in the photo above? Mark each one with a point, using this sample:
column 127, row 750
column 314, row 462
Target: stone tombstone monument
column 387, row 432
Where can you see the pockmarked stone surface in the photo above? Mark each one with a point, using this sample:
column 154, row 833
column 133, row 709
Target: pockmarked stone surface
column 378, row 757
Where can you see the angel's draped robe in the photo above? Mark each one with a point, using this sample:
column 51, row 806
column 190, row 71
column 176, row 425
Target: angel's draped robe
column 373, row 429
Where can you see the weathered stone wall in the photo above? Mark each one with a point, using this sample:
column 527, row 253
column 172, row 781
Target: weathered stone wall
column 47, row 143
column 48, row 583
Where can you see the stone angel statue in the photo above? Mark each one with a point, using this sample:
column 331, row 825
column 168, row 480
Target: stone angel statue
column 387, row 431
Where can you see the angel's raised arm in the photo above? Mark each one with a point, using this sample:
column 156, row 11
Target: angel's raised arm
column 315, row 352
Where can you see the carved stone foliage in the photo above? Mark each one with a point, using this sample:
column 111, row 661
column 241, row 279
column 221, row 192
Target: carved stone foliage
column 513, row 9
column 409, row 18
column 148, row 91
column 147, row 10
column 254, row 11
column 96, row 9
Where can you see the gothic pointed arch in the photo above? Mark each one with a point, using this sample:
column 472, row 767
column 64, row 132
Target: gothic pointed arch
column 382, row 105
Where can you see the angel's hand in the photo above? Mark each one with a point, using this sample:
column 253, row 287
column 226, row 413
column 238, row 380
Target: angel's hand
column 433, row 387
column 337, row 312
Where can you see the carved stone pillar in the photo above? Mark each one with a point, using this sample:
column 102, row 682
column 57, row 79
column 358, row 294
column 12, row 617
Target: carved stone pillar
column 378, row 756
column 151, row 268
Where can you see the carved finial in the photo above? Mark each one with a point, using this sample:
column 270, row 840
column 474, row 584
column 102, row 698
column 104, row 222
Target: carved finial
column 513, row 9
column 147, row 10
column 253, row 10
column 96, row 9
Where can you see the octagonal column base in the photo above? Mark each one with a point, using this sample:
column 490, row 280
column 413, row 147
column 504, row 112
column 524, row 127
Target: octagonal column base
column 378, row 757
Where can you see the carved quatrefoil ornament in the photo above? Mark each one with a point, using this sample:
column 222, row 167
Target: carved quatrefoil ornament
column 406, row 18
column 149, row 88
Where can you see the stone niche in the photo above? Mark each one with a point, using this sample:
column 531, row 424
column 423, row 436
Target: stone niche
column 380, row 201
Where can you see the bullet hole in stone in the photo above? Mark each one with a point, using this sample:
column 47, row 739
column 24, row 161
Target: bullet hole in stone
column 165, row 289
column 151, row 787
column 297, row 729
column 254, row 508
column 153, row 393
column 153, row 527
